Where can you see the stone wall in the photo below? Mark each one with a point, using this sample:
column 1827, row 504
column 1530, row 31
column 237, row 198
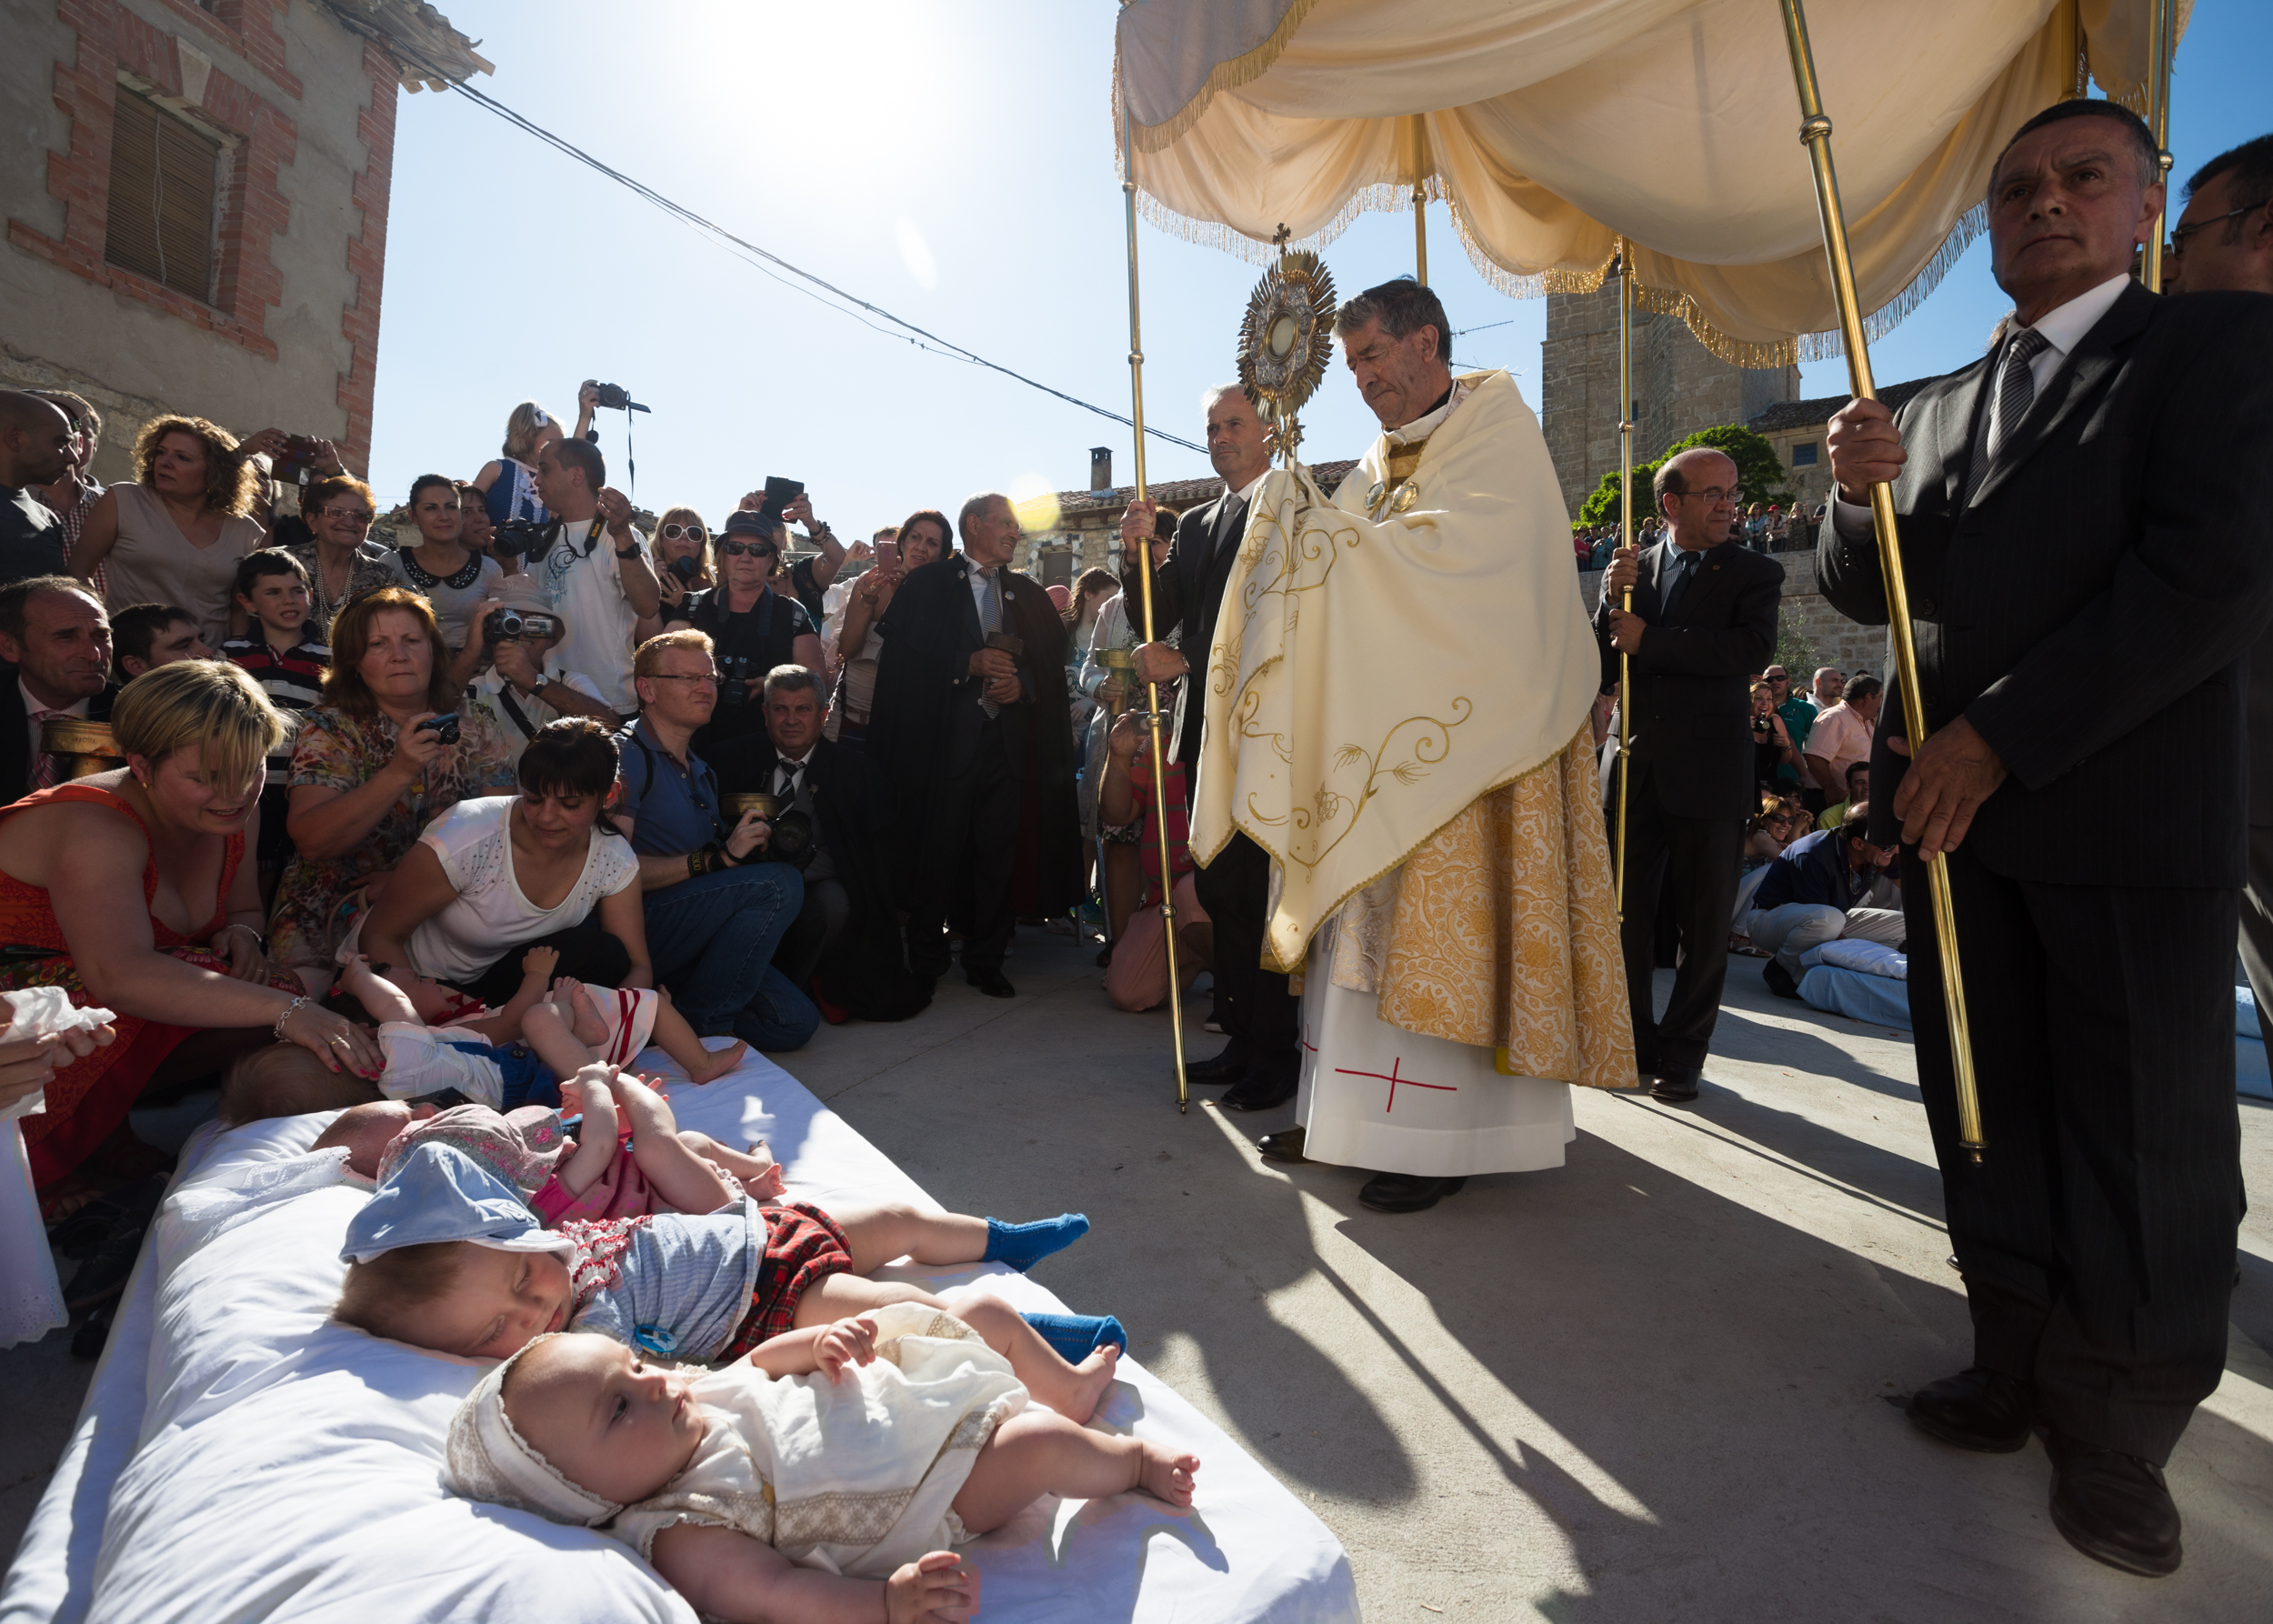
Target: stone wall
column 1680, row 386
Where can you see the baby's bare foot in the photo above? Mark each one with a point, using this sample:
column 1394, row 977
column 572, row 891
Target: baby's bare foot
column 1091, row 1380
column 1166, row 1474
column 717, row 1063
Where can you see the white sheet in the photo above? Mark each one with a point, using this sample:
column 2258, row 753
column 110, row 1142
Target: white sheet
column 242, row 1458
column 1857, row 953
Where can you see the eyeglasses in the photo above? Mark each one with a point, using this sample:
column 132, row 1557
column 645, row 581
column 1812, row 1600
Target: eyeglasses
column 2178, row 243
column 708, row 678
column 675, row 531
column 1713, row 494
column 358, row 517
column 756, row 549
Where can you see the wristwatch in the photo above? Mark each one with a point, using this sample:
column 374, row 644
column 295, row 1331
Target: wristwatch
column 630, row 552
column 540, row 684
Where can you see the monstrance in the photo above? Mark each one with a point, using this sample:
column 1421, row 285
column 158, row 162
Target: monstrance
column 1285, row 341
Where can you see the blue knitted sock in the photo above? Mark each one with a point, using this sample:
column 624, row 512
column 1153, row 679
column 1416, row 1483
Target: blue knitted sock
column 1022, row 1246
column 1075, row 1337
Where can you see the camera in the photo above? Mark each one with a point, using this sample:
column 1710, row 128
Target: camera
column 684, row 569
column 515, row 537
column 614, row 398
column 296, row 464
column 780, row 494
column 505, row 625
column 734, row 688
column 444, row 726
column 791, row 840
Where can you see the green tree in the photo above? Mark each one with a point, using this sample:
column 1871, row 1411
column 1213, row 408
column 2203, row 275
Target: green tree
column 1794, row 649
column 1759, row 474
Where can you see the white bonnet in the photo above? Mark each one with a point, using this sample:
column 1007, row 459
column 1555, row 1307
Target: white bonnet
column 488, row 1459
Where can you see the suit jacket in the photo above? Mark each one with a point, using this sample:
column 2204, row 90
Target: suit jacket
column 925, row 723
column 1188, row 598
column 2091, row 613
column 16, row 736
column 1691, row 710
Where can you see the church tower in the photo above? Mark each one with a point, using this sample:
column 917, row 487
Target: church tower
column 1680, row 386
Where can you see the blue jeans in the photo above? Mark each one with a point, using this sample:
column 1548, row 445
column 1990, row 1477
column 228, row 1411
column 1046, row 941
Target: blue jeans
column 712, row 939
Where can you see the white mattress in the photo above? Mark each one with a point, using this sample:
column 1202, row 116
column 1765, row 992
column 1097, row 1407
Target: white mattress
column 242, row 1458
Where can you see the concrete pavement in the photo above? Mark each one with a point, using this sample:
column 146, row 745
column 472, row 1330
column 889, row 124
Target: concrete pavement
column 1651, row 1383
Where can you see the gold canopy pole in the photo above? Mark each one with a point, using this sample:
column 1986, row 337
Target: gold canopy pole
column 1420, row 201
column 2162, row 25
column 1815, row 131
column 1143, row 578
column 1625, row 539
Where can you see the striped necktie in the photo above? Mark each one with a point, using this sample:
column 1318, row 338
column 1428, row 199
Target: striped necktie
column 2016, row 392
column 43, row 768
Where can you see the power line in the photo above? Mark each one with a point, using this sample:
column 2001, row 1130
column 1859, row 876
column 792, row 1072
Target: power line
column 770, row 264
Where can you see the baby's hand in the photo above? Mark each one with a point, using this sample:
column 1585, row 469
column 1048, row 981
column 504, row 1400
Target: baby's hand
column 537, row 965
column 768, row 1185
column 935, row 1588
column 847, row 1342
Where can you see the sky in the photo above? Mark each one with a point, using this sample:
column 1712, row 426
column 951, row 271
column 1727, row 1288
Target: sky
column 949, row 160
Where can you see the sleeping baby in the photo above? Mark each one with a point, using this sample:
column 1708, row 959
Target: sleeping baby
column 787, row 1483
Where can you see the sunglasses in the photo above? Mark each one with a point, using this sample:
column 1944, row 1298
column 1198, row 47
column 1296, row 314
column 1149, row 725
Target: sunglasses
column 755, row 549
column 674, row 531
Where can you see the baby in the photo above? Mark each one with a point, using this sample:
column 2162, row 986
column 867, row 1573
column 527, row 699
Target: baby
column 443, row 1006
column 738, row 1484
column 593, row 1174
column 423, row 1059
column 446, row 1256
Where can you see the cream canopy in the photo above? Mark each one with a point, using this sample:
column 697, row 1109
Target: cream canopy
column 1552, row 128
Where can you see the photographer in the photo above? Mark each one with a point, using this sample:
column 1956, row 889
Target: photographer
column 809, row 578
column 682, row 560
column 591, row 566
column 752, row 628
column 514, row 682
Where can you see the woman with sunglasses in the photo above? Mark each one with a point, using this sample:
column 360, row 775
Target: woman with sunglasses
column 752, row 627
column 682, row 560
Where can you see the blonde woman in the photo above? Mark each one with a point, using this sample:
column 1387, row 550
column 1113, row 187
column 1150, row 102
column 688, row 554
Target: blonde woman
column 508, row 485
column 682, row 560
column 174, row 534
column 130, row 890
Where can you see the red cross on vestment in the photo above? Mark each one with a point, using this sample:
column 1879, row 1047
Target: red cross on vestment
column 1391, row 1078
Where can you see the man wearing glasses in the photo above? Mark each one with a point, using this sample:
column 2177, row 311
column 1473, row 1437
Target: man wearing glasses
column 1704, row 620
column 716, row 910
column 2224, row 240
column 752, row 627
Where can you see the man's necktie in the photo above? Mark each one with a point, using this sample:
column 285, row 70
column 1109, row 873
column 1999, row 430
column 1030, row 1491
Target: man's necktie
column 2016, row 392
column 1230, row 525
column 1684, row 566
column 785, row 781
column 989, row 622
column 43, row 764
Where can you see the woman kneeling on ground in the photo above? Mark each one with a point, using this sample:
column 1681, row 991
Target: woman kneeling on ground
column 130, row 890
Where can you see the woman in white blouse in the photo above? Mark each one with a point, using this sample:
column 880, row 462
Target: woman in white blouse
column 493, row 878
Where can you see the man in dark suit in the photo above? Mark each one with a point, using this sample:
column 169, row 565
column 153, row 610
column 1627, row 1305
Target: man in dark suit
column 2088, row 560
column 1703, row 621
column 1260, row 1016
column 971, row 727
column 845, row 938
column 57, row 642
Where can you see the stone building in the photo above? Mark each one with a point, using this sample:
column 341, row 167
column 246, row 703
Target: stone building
column 1088, row 534
column 1797, row 427
column 1679, row 387
column 196, row 205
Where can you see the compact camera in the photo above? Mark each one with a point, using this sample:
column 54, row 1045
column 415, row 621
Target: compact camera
column 444, row 726
column 505, row 625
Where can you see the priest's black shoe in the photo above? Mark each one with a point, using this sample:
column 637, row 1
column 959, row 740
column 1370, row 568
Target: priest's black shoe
column 1228, row 1066
column 1406, row 1192
column 1974, row 1410
column 1284, row 1145
column 1778, row 979
column 2114, row 1508
column 991, row 981
column 1271, row 1080
column 1677, row 1086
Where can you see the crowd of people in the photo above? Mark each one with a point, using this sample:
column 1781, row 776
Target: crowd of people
column 1764, row 527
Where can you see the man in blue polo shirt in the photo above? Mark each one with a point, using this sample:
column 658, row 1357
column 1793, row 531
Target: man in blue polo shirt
column 715, row 909
column 1813, row 894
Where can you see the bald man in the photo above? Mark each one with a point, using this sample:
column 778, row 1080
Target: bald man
column 35, row 449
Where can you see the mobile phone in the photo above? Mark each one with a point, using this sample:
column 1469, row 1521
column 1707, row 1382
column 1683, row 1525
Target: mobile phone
column 780, row 494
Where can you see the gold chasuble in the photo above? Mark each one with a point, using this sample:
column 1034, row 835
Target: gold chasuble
column 1405, row 674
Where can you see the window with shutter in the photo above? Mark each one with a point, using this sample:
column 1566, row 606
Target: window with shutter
column 163, row 184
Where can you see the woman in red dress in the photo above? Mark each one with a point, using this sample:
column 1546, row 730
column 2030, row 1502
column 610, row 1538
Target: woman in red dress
column 129, row 889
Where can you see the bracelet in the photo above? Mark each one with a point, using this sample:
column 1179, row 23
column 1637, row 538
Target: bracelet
column 290, row 1011
column 259, row 941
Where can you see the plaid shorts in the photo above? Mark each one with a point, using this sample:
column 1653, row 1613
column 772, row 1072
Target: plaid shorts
column 803, row 1244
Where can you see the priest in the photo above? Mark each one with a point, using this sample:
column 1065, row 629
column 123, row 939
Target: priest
column 1399, row 691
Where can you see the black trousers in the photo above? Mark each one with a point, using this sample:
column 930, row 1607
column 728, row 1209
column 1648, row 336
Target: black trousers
column 820, row 922
column 1691, row 863
column 972, row 828
column 1235, row 890
column 2097, row 1235
column 587, row 953
column 2256, row 919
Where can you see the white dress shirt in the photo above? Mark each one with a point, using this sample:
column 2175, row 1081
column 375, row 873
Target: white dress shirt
column 2062, row 328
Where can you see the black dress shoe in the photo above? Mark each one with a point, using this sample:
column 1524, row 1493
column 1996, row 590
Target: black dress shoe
column 1271, row 1080
column 2114, row 1508
column 1677, row 1086
column 1406, row 1192
column 1228, row 1066
column 1778, row 979
column 1284, row 1145
column 1974, row 1410
column 991, row 981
